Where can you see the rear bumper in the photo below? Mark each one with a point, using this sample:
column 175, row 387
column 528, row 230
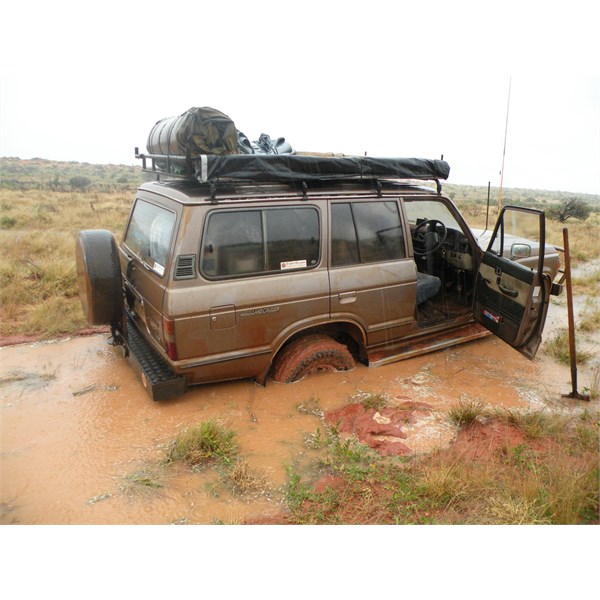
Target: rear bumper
column 156, row 376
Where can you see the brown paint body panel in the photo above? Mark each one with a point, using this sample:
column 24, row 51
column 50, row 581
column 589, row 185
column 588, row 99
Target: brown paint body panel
column 230, row 327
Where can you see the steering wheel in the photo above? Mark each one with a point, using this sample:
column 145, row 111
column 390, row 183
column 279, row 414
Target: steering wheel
column 427, row 234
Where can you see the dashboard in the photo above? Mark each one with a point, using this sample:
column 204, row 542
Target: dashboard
column 457, row 251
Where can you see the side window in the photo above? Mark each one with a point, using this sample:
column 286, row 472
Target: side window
column 292, row 236
column 344, row 244
column 518, row 232
column 238, row 243
column 233, row 244
column 364, row 232
column 149, row 234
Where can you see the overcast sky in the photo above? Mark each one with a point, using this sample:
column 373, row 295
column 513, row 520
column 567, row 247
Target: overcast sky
column 378, row 77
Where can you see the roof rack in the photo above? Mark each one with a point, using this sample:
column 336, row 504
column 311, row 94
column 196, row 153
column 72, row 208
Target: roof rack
column 212, row 168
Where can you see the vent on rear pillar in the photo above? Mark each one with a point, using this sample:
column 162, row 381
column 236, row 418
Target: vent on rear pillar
column 185, row 267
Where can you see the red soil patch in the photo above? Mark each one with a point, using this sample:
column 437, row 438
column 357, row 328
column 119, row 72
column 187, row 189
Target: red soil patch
column 485, row 441
column 380, row 430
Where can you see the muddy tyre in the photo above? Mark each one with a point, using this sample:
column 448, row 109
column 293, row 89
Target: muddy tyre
column 99, row 276
column 310, row 354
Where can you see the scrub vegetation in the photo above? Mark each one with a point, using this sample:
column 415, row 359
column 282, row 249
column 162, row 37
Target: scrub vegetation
column 204, row 444
column 208, row 445
column 557, row 346
column 44, row 204
column 505, row 467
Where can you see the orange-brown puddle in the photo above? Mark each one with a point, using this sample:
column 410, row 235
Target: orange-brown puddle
column 75, row 423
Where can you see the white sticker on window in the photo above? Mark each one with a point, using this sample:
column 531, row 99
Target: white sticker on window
column 158, row 269
column 293, row 264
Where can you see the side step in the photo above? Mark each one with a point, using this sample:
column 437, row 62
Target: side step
column 432, row 343
column 156, row 376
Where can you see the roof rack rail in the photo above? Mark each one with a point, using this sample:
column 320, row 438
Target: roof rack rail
column 300, row 168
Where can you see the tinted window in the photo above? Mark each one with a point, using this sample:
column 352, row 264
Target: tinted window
column 233, row 244
column 364, row 232
column 292, row 237
column 149, row 234
column 256, row 241
column 344, row 244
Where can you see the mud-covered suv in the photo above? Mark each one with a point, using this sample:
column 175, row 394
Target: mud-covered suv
column 282, row 265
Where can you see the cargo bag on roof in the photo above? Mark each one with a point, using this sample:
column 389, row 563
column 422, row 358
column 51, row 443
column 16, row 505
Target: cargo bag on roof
column 197, row 131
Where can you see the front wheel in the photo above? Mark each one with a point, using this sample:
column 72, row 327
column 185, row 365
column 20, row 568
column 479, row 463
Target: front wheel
column 310, row 354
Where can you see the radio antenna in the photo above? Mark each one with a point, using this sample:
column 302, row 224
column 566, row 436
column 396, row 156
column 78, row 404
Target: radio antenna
column 504, row 149
column 487, row 211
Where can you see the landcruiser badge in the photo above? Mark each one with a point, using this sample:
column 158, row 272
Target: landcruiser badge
column 259, row 311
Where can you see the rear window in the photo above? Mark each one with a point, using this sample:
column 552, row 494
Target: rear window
column 246, row 242
column 149, row 234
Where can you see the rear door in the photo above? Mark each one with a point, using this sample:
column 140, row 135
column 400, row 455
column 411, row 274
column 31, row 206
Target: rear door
column 511, row 300
column 145, row 258
column 261, row 280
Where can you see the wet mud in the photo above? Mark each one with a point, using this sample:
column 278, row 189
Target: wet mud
column 82, row 443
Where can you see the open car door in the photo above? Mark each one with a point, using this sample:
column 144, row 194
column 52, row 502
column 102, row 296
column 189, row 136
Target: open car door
column 511, row 300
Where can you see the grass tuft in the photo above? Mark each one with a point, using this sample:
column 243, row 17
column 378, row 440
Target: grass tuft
column 244, row 480
column 558, row 348
column 466, row 412
column 594, row 389
column 589, row 320
column 536, row 424
column 202, row 444
column 375, row 401
column 146, row 480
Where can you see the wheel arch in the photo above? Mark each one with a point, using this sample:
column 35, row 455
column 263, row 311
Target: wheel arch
column 348, row 333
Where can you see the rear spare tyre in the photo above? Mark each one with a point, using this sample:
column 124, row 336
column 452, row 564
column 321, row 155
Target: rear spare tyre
column 310, row 354
column 99, row 276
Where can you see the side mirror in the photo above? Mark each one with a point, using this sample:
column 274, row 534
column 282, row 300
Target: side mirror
column 520, row 251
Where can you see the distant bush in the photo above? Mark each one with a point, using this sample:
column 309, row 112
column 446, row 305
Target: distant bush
column 7, row 222
column 79, row 182
column 571, row 207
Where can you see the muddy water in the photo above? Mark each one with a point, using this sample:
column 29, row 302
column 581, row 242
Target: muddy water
column 76, row 426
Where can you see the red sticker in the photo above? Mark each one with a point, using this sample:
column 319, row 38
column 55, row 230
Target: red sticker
column 489, row 315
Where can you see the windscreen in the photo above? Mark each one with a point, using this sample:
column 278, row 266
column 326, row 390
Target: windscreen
column 420, row 210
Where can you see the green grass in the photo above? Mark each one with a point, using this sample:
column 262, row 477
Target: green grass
column 144, row 481
column 40, row 215
column 589, row 319
column 558, row 347
column 534, row 425
column 466, row 412
column 522, row 483
column 375, row 401
column 38, row 279
column 202, row 444
column 589, row 284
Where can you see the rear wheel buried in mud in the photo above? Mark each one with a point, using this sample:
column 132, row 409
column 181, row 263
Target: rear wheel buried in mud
column 310, row 354
column 99, row 276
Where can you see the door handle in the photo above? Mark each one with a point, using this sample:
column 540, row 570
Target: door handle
column 507, row 291
column 347, row 297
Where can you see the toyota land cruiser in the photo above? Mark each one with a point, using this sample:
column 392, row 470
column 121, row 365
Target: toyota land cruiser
column 277, row 266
